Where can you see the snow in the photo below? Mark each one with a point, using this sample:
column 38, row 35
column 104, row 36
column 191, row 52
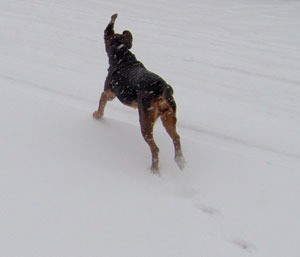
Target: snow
column 73, row 186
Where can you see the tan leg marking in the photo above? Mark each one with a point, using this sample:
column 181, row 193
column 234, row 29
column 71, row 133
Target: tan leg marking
column 107, row 95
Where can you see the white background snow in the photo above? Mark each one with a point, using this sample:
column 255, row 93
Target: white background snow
column 72, row 186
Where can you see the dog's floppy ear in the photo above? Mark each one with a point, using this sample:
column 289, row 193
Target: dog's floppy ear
column 127, row 38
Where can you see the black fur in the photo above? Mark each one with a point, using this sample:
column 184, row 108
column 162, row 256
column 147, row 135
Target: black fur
column 130, row 81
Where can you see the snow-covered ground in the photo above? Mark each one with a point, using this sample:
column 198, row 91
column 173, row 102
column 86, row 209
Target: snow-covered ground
column 72, row 186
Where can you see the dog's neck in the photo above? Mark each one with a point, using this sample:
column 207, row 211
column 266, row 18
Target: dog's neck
column 120, row 55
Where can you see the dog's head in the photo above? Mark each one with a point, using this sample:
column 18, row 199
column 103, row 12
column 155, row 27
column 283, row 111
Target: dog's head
column 119, row 41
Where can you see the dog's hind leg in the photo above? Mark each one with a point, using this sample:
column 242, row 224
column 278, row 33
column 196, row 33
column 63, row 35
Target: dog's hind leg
column 148, row 116
column 107, row 95
column 168, row 118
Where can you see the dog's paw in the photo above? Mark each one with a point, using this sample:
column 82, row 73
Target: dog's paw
column 155, row 168
column 180, row 161
column 97, row 115
column 155, row 171
column 114, row 17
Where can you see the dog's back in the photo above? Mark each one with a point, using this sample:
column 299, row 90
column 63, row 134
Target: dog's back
column 132, row 82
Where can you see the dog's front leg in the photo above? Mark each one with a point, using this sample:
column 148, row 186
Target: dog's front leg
column 107, row 95
column 109, row 30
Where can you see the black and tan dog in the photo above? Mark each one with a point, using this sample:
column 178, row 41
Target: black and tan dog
column 135, row 86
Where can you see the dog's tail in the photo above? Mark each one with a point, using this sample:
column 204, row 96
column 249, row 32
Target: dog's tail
column 168, row 95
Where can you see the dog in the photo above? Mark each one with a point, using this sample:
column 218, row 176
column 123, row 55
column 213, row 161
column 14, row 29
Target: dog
column 137, row 87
